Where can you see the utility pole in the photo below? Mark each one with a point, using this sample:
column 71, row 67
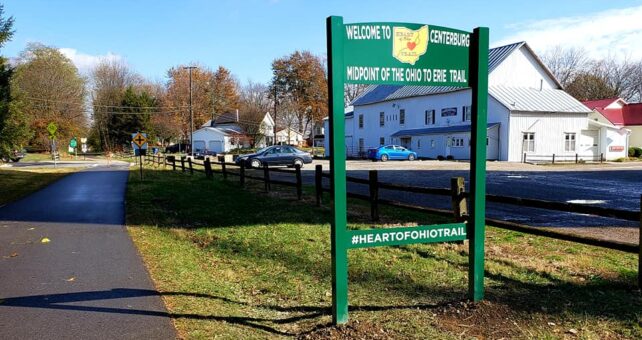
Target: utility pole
column 274, row 138
column 191, row 114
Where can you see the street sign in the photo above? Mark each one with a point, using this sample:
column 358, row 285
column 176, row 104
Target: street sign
column 140, row 140
column 73, row 143
column 83, row 147
column 83, row 140
column 405, row 54
column 52, row 128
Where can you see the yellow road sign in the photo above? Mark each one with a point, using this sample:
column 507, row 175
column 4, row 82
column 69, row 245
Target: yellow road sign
column 139, row 140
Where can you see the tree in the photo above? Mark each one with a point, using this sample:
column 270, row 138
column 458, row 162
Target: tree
column 254, row 104
column 134, row 115
column 225, row 91
column 14, row 125
column 110, row 80
column 52, row 91
column 588, row 86
column 300, row 79
column 566, row 62
column 176, row 100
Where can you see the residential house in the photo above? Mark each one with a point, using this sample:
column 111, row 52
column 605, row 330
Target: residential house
column 616, row 112
column 225, row 134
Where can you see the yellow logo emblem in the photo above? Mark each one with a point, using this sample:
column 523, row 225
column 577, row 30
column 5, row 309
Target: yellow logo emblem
column 408, row 45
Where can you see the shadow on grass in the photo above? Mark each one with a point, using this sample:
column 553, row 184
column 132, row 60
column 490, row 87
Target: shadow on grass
column 224, row 204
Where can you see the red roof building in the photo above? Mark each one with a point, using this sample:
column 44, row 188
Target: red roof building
column 618, row 112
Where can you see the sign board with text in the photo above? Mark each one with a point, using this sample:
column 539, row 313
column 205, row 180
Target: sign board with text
column 411, row 55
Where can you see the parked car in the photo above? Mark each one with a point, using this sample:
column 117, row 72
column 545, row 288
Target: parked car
column 276, row 155
column 177, row 147
column 388, row 152
column 201, row 154
column 14, row 156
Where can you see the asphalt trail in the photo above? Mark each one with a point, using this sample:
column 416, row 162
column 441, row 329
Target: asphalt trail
column 89, row 281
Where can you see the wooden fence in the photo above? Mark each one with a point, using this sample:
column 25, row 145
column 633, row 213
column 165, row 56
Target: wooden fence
column 566, row 158
column 456, row 192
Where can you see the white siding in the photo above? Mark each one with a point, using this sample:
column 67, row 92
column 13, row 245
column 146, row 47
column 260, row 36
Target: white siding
column 549, row 129
column 521, row 69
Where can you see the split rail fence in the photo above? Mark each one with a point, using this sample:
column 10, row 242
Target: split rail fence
column 458, row 197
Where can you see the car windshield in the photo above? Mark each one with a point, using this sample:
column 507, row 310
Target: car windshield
column 263, row 149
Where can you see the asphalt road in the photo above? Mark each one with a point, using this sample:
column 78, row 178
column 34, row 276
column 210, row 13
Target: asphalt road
column 613, row 185
column 88, row 281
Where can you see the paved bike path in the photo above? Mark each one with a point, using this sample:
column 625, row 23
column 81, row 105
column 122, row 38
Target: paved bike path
column 88, row 281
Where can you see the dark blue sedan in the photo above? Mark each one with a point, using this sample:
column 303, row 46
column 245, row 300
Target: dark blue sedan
column 276, row 155
column 384, row 153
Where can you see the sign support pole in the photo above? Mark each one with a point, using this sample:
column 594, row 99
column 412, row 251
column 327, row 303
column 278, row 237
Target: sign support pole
column 334, row 27
column 477, row 223
column 140, row 162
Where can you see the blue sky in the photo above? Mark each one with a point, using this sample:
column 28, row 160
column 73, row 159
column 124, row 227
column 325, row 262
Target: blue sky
column 245, row 36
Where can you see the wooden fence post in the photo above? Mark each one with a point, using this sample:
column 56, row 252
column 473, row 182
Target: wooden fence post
column 553, row 158
column 174, row 163
column 575, row 158
column 524, row 158
column 318, row 183
column 221, row 159
column 460, row 208
column 242, row 174
column 374, row 194
column 640, row 249
column 299, row 182
column 601, row 158
column 208, row 167
column 266, row 177
column 191, row 169
column 183, row 163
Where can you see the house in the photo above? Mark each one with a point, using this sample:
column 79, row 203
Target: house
column 617, row 113
column 528, row 113
column 289, row 136
column 225, row 134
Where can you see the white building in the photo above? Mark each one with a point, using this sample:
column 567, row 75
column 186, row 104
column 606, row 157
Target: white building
column 289, row 136
column 224, row 134
column 528, row 112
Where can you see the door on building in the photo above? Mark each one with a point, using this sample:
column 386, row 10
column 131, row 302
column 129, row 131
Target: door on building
column 449, row 143
column 589, row 143
column 406, row 142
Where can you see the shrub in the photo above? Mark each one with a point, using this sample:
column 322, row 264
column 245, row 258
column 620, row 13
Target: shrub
column 450, row 157
column 440, row 157
column 635, row 152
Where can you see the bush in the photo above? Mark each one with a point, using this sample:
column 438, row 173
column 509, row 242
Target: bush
column 635, row 152
column 450, row 157
column 440, row 157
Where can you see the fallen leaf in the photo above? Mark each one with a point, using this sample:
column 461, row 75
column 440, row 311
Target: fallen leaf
column 71, row 279
column 551, row 323
column 45, row 240
column 14, row 254
column 572, row 331
column 32, row 228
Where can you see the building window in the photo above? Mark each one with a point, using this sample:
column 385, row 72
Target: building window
column 360, row 121
column 361, row 146
column 382, row 140
column 466, row 115
column 528, row 144
column 418, row 143
column 429, row 117
column 402, row 117
column 569, row 142
column 449, row 112
column 382, row 118
column 457, row 142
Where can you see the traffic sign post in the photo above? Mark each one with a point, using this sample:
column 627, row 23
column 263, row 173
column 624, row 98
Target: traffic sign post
column 139, row 142
column 73, row 143
column 405, row 54
column 52, row 128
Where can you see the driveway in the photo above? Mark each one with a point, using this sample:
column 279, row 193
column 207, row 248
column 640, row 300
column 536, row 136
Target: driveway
column 68, row 269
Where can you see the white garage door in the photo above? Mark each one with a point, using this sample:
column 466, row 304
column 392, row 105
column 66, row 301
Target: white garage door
column 215, row 146
column 589, row 143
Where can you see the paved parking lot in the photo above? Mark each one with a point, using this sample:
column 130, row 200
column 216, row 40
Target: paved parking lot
column 616, row 185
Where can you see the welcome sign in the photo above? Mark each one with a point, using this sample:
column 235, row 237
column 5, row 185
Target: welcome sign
column 405, row 54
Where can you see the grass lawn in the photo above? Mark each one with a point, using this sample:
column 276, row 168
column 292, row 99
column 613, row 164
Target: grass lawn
column 243, row 264
column 18, row 182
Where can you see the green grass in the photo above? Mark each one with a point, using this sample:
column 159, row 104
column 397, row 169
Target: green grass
column 36, row 157
column 16, row 183
column 243, row 264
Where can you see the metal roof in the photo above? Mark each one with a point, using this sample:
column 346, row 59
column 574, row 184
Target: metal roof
column 379, row 93
column 437, row 130
column 534, row 100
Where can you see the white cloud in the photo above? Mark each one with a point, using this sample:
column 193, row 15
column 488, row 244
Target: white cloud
column 615, row 32
column 86, row 62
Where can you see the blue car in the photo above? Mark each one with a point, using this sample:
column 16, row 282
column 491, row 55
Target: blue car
column 384, row 153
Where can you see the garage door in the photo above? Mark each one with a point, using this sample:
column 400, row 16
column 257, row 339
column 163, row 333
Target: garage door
column 215, row 146
column 589, row 143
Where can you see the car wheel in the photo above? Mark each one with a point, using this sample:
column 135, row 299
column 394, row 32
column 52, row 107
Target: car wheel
column 384, row 158
column 255, row 163
column 299, row 162
column 411, row 157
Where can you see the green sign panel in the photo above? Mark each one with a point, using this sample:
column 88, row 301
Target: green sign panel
column 405, row 54
column 73, row 143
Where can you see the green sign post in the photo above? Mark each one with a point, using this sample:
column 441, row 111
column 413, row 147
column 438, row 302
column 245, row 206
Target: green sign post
column 405, row 54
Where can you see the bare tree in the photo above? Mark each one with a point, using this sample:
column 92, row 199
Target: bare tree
column 254, row 105
column 566, row 62
column 352, row 91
